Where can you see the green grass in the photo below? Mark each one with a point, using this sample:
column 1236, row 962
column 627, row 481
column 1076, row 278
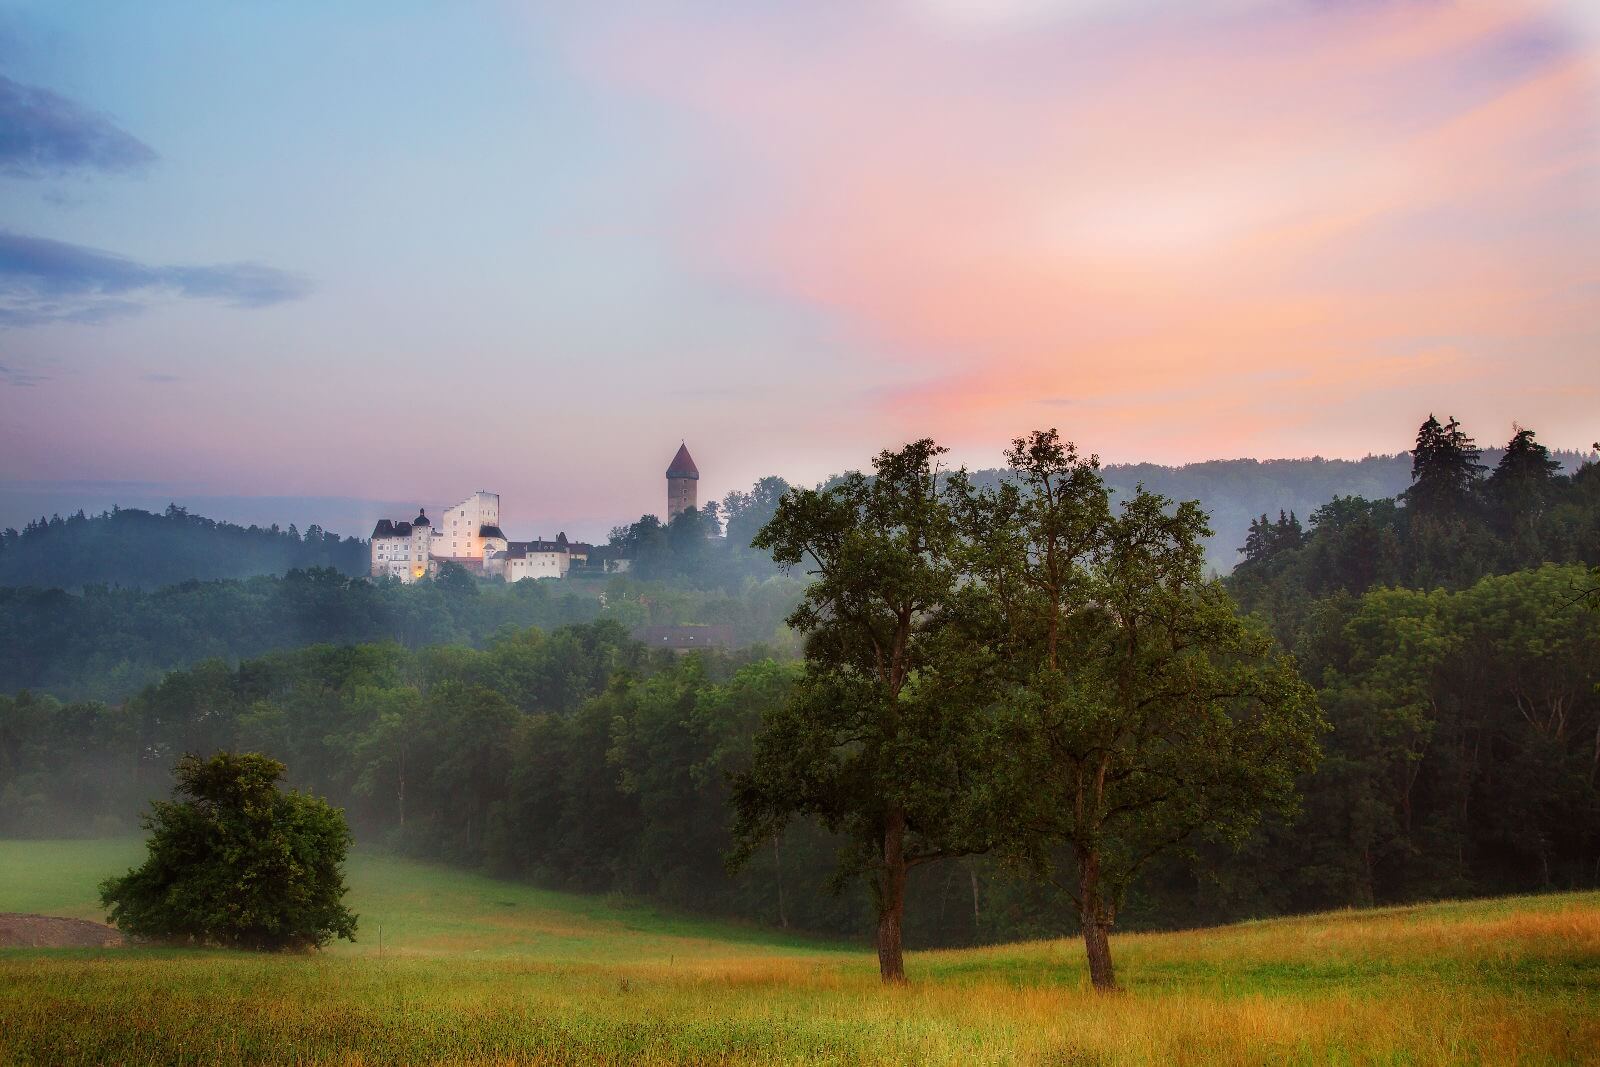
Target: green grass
column 62, row 877
column 479, row 970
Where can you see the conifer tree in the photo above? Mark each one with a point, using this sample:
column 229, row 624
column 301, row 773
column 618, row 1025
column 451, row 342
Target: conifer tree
column 1519, row 491
column 1445, row 472
column 1525, row 476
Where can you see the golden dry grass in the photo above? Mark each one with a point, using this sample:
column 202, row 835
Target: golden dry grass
column 479, row 971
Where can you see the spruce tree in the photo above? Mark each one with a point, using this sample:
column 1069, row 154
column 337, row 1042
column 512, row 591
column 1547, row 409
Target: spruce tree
column 1522, row 486
column 1525, row 475
column 1445, row 472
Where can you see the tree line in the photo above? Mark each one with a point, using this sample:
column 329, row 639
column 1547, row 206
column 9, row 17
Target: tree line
column 140, row 549
column 108, row 643
column 1457, row 522
column 1459, row 761
column 135, row 548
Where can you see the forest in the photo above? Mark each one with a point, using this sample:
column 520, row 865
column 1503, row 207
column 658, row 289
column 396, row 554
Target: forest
column 1451, row 636
column 108, row 643
column 139, row 549
column 100, row 607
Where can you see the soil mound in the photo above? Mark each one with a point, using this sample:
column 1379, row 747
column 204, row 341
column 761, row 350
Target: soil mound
column 47, row 931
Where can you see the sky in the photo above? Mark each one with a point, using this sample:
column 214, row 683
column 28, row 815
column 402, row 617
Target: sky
column 400, row 251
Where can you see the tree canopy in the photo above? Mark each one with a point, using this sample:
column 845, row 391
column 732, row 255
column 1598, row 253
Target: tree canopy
column 880, row 740
column 1140, row 710
column 1019, row 667
column 234, row 861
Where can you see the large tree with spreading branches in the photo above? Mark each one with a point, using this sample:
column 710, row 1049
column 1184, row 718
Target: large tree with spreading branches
column 1140, row 712
column 881, row 740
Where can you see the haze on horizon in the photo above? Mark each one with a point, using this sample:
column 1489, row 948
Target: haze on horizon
column 402, row 252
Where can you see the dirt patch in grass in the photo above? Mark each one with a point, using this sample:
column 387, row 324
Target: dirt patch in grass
column 47, row 931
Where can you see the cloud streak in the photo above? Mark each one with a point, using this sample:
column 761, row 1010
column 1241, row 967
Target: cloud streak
column 19, row 377
column 44, row 281
column 43, row 134
column 1129, row 205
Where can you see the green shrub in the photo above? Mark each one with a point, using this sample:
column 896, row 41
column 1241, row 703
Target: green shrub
column 236, row 862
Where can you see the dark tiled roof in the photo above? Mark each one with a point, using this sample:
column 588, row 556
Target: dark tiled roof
column 491, row 531
column 421, row 519
column 387, row 528
column 683, row 465
column 685, row 636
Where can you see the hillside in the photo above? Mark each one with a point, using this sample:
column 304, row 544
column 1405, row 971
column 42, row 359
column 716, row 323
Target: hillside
column 473, row 970
column 141, row 549
column 145, row 550
column 1235, row 491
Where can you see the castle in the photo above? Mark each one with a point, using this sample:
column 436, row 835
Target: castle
column 469, row 535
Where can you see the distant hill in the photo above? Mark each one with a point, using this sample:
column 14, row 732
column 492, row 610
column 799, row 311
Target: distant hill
column 142, row 549
column 146, row 550
column 1234, row 491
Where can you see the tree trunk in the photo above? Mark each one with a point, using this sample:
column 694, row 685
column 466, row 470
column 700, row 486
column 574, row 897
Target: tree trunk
column 777, row 862
column 976, row 922
column 892, row 900
column 1096, row 920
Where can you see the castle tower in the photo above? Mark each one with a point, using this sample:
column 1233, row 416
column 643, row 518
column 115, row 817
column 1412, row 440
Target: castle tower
column 683, row 479
column 421, row 545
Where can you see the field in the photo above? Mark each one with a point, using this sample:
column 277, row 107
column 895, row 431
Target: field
column 476, row 970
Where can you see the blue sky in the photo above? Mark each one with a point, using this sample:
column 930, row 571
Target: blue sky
column 404, row 251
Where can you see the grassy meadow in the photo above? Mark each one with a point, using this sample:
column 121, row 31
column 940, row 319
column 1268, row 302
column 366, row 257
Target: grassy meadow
column 477, row 970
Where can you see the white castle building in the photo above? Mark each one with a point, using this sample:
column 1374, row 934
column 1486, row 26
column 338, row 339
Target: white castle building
column 469, row 535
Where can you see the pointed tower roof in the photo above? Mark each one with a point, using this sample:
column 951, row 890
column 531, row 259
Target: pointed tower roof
column 683, row 465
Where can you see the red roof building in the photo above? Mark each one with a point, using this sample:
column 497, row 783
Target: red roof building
column 683, row 490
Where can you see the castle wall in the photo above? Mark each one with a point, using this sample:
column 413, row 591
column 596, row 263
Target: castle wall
column 456, row 535
column 536, row 565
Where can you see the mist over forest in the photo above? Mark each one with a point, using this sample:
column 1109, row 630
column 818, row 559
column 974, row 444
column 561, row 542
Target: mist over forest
column 1446, row 628
column 140, row 549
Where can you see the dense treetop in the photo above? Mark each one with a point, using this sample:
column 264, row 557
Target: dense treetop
column 1460, row 761
column 140, row 549
column 1460, row 520
column 234, row 861
column 109, row 643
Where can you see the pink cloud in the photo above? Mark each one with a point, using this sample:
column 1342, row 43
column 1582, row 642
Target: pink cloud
column 1103, row 207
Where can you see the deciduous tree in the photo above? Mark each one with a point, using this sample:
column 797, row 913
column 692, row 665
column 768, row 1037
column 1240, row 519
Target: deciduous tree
column 236, row 862
column 1143, row 713
column 881, row 738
